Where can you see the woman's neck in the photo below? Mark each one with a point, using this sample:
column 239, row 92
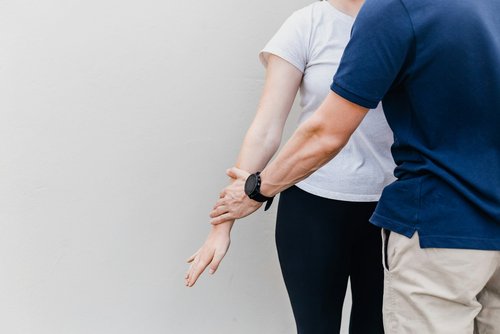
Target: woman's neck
column 349, row 7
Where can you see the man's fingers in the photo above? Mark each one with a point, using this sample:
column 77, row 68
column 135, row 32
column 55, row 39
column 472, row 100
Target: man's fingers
column 222, row 219
column 220, row 201
column 236, row 173
column 220, row 210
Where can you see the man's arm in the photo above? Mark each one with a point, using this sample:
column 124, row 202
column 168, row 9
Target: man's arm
column 313, row 144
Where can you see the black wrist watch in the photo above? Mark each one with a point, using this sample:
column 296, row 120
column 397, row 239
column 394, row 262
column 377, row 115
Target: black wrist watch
column 252, row 189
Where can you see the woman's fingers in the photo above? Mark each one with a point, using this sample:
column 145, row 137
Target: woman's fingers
column 188, row 273
column 218, row 256
column 191, row 258
column 198, row 269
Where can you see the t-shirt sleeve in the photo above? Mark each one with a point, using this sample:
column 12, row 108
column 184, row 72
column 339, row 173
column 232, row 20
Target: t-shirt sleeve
column 381, row 42
column 291, row 41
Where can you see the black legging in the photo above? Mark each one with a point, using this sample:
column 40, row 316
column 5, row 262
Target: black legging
column 321, row 243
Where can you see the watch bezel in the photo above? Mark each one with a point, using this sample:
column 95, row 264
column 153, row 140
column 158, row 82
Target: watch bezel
column 252, row 190
column 252, row 185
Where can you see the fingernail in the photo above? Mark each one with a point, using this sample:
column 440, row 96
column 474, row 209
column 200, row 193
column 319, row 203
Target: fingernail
column 211, row 271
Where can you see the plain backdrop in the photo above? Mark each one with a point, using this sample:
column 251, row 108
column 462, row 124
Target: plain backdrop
column 117, row 122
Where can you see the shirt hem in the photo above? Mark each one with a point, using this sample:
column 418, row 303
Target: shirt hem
column 436, row 241
column 354, row 98
column 392, row 225
column 279, row 53
column 338, row 195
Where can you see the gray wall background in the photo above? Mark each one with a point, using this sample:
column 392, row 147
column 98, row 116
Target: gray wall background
column 117, row 122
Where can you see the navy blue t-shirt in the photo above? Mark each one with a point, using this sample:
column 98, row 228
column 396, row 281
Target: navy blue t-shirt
column 436, row 67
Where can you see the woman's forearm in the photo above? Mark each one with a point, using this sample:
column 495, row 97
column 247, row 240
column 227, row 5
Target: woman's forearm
column 258, row 147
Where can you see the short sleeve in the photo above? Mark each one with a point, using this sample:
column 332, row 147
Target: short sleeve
column 381, row 42
column 291, row 41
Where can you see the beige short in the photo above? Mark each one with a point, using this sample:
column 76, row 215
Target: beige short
column 439, row 291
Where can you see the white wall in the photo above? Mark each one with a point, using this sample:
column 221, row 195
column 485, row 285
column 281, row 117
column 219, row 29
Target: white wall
column 117, row 121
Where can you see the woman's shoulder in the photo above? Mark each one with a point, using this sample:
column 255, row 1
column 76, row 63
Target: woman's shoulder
column 313, row 9
column 302, row 20
column 317, row 13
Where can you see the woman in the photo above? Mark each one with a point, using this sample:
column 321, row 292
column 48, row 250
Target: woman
column 322, row 233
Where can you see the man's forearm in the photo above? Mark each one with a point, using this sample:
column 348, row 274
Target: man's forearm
column 314, row 143
column 304, row 153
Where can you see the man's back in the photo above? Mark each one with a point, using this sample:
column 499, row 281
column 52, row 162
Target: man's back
column 436, row 66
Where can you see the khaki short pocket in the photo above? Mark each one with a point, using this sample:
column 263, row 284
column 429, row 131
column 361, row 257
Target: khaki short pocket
column 385, row 241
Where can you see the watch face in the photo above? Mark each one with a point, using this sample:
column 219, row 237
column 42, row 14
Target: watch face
column 250, row 184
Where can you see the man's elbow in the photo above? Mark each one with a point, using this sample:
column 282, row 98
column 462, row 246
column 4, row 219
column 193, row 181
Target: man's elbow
column 329, row 142
column 332, row 144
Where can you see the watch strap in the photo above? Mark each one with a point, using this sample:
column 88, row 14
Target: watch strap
column 268, row 203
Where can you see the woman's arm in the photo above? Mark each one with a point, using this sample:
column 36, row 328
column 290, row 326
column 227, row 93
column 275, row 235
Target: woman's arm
column 260, row 144
column 264, row 135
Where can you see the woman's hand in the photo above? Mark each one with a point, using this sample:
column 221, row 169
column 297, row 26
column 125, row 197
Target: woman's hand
column 210, row 254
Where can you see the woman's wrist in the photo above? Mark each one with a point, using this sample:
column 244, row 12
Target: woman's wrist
column 223, row 228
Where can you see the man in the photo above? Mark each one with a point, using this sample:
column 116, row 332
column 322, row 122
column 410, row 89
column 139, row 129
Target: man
column 436, row 67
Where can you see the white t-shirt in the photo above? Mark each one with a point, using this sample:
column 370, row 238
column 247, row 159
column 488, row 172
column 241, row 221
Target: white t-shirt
column 313, row 40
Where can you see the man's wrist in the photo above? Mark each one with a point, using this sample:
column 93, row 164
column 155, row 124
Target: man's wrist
column 265, row 187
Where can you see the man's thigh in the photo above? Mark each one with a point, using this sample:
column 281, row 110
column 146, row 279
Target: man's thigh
column 488, row 319
column 433, row 290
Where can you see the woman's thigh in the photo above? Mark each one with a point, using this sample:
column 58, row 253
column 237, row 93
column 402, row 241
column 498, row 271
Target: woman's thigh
column 313, row 237
column 366, row 274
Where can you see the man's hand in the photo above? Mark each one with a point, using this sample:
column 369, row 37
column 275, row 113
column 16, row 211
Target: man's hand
column 210, row 254
column 233, row 202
